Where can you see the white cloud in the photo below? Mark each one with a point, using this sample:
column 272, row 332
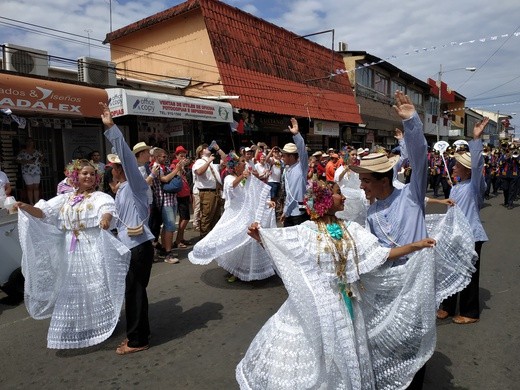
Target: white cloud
column 383, row 28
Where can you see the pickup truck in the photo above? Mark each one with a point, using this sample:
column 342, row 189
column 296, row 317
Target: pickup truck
column 11, row 278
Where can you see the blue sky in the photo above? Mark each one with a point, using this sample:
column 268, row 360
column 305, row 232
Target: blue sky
column 456, row 34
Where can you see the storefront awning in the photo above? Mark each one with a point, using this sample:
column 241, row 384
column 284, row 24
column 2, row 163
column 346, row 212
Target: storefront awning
column 130, row 102
column 33, row 95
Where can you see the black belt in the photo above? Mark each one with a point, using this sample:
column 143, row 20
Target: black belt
column 207, row 190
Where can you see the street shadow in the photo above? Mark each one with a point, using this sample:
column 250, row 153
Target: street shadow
column 10, row 302
column 168, row 322
column 485, row 296
column 438, row 375
column 217, row 277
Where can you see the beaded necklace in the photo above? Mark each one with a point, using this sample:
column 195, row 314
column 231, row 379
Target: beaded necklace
column 75, row 222
column 335, row 239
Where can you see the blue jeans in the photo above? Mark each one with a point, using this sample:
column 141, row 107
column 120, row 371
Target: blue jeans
column 169, row 213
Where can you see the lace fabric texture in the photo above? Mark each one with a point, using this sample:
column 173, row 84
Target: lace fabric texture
column 228, row 243
column 313, row 343
column 81, row 290
column 356, row 204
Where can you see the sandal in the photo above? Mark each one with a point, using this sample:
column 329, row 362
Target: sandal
column 186, row 242
column 124, row 349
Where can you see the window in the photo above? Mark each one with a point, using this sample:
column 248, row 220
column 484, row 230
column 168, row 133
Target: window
column 395, row 86
column 381, row 83
column 416, row 97
column 364, row 77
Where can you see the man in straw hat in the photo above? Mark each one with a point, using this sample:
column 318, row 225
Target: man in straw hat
column 132, row 208
column 294, row 156
column 469, row 196
column 397, row 217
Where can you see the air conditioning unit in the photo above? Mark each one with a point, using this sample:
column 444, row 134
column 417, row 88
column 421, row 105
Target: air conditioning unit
column 342, row 46
column 94, row 71
column 25, row 60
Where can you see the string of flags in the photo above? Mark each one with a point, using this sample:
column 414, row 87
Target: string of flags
column 429, row 49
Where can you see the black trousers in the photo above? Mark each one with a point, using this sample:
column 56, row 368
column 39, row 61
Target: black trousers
column 136, row 299
column 293, row 221
column 469, row 303
column 508, row 185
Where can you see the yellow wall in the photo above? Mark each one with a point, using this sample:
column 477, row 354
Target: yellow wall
column 178, row 47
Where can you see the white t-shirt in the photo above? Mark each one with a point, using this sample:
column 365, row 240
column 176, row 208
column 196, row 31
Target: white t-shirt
column 207, row 179
column 276, row 171
column 261, row 169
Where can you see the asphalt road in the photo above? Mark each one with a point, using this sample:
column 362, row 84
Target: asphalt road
column 202, row 325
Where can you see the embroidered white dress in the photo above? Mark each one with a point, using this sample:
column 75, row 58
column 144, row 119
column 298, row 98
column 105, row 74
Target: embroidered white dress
column 79, row 284
column 228, row 243
column 312, row 342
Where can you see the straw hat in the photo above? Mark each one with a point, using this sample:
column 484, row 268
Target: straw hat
column 317, row 154
column 114, row 159
column 290, row 148
column 139, row 147
column 360, row 151
column 375, row 162
column 464, row 158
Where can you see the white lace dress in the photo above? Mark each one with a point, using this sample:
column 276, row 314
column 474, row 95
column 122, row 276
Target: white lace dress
column 356, row 203
column 312, row 342
column 228, row 243
column 79, row 283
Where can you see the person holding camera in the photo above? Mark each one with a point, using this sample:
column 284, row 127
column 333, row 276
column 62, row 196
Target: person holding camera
column 206, row 175
column 274, row 160
column 183, row 196
column 167, row 202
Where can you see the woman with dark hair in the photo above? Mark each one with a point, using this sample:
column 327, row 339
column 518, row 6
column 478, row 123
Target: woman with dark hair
column 351, row 321
column 246, row 198
column 74, row 268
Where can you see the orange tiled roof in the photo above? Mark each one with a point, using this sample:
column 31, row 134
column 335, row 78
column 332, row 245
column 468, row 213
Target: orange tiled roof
column 267, row 66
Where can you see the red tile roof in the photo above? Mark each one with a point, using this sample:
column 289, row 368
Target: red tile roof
column 267, row 66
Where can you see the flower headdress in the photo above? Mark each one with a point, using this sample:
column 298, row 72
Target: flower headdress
column 318, row 199
column 73, row 168
column 232, row 159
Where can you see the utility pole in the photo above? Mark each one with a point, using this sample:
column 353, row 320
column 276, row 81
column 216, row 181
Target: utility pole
column 88, row 31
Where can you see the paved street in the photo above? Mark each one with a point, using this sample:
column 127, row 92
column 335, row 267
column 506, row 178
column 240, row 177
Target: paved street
column 202, row 325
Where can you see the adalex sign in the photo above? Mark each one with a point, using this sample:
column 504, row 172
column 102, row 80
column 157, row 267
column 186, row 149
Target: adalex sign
column 26, row 94
column 125, row 102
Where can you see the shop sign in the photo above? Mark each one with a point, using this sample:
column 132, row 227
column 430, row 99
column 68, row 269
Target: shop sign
column 126, row 102
column 49, row 97
column 326, row 128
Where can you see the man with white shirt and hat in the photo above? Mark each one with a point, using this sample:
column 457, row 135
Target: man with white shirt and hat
column 294, row 156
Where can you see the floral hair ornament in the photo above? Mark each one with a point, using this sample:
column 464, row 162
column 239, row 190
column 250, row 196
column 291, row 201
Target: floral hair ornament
column 232, row 159
column 73, row 168
column 318, row 199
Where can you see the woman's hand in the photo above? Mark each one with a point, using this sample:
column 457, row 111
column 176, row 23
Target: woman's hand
column 253, row 231
column 424, row 243
column 105, row 221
